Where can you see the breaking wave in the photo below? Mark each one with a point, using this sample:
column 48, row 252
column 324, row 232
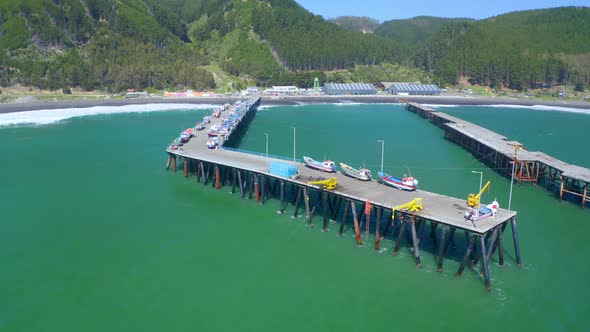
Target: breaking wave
column 44, row 117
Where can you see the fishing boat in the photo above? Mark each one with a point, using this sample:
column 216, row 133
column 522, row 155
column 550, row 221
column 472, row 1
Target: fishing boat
column 212, row 142
column 360, row 174
column 200, row 126
column 214, row 130
column 407, row 183
column 206, row 119
column 185, row 136
column 475, row 214
column 326, row 165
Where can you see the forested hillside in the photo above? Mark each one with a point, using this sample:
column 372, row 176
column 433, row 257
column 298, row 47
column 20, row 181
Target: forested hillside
column 412, row 32
column 177, row 44
column 356, row 23
column 519, row 50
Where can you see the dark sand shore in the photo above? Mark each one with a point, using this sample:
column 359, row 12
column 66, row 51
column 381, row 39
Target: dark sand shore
column 292, row 100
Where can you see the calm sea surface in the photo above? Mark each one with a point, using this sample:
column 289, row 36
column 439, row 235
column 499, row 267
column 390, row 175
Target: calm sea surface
column 97, row 236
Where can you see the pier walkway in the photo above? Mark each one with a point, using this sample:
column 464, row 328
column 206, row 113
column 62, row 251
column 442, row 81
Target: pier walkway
column 499, row 152
column 250, row 173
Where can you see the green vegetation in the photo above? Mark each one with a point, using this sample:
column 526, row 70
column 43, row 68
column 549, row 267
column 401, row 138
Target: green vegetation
column 356, row 23
column 519, row 50
column 113, row 45
column 411, row 33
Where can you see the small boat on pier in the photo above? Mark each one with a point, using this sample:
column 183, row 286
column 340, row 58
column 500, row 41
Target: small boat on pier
column 200, row 126
column 362, row 174
column 214, row 130
column 407, row 183
column 325, row 166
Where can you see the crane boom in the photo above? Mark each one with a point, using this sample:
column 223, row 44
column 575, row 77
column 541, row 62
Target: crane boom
column 411, row 206
column 473, row 199
column 329, row 184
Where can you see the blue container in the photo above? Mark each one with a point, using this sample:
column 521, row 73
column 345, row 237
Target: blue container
column 282, row 169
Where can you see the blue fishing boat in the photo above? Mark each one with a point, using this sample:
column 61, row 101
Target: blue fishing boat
column 407, row 183
column 325, row 166
column 362, row 174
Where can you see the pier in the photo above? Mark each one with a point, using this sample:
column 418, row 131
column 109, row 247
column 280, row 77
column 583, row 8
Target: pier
column 570, row 182
column 361, row 206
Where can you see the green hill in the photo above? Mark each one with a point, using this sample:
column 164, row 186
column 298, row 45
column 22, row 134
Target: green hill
column 175, row 44
column 518, row 50
column 356, row 23
column 414, row 31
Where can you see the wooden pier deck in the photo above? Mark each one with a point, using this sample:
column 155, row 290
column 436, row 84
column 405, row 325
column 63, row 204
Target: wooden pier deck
column 500, row 152
column 250, row 173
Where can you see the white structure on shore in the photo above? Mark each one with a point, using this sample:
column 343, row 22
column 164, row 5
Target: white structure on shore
column 282, row 90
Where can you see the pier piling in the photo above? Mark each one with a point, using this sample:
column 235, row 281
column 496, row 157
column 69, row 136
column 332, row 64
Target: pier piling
column 282, row 189
column 400, row 235
column 325, row 203
column 307, row 209
column 344, row 217
column 467, row 256
column 378, row 228
column 441, row 249
column 357, row 229
column 515, row 238
column 486, row 268
column 297, row 202
column 217, row 177
column 416, row 243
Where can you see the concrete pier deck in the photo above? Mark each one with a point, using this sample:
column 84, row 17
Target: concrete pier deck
column 438, row 208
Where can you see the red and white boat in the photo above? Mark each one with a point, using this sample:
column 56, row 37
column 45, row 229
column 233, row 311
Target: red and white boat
column 325, row 166
column 407, row 183
column 214, row 130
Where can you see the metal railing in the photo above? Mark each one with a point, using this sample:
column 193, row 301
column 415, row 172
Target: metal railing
column 261, row 154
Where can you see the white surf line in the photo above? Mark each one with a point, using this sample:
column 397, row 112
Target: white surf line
column 44, row 117
column 546, row 108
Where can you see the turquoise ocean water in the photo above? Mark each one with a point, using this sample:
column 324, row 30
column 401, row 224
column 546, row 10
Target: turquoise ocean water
column 97, row 236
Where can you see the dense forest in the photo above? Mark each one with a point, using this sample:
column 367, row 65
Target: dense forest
column 179, row 44
column 356, row 23
column 519, row 50
column 412, row 32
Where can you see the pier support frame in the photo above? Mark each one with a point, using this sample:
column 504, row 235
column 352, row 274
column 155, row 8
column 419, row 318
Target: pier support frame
column 344, row 217
column 282, row 189
column 467, row 255
column 297, row 202
column 416, row 243
column 378, row 213
column 307, row 208
column 515, row 238
column 325, row 204
column 357, row 229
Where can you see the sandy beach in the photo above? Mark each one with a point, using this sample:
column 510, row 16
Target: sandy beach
column 292, row 100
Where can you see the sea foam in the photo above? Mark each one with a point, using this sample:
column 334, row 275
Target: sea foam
column 44, row 117
column 531, row 107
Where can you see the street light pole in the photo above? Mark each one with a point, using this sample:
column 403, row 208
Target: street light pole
column 480, row 178
column 266, row 136
column 382, row 151
column 517, row 146
column 294, row 143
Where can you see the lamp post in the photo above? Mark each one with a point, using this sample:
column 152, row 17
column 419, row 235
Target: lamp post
column 480, row 178
column 517, row 146
column 266, row 136
column 294, row 143
column 382, row 150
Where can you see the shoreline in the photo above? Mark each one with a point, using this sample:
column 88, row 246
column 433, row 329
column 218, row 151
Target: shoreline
column 293, row 100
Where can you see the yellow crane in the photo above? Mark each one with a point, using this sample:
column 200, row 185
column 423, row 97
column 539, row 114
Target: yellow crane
column 329, row 184
column 411, row 206
column 473, row 199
